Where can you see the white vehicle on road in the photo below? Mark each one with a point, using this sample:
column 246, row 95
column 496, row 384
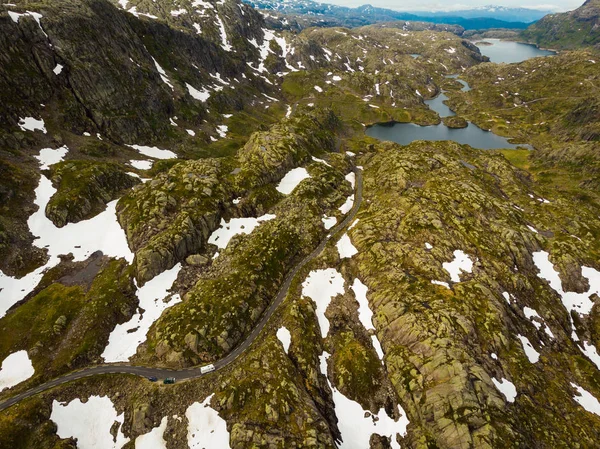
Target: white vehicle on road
column 207, row 368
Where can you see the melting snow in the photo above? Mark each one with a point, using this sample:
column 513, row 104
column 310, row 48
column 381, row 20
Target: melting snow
column 163, row 74
column 321, row 286
column 206, row 429
column 578, row 302
column 347, row 206
column 443, row 284
column 90, row 422
column 329, row 222
column 50, row 156
column 461, row 262
column 125, row 338
column 572, row 301
column 530, row 351
column 507, row 388
column 222, row 130
column 351, row 178
column 224, row 42
column 291, row 180
column 153, row 439
column 196, row 94
column 428, row 246
column 15, row 369
column 318, row 89
column 365, row 315
column 154, row 152
column 31, row 124
column 284, row 336
column 322, row 161
column 141, row 165
column 224, row 234
column 345, row 247
column 357, row 425
column 586, row 400
column 100, row 233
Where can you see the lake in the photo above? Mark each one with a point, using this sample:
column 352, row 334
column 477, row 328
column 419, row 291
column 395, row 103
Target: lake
column 508, row 52
column 406, row 133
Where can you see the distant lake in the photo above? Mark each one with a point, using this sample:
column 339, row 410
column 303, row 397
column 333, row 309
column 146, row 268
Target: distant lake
column 405, row 133
column 508, row 52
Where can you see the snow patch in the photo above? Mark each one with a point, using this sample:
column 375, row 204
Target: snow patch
column 141, row 165
column 196, row 94
column 461, row 263
column 586, row 400
column 507, row 388
column 345, row 247
column 227, row 230
column 90, row 422
column 100, row 233
column 125, row 338
column 284, row 336
column 51, row 156
column 347, row 206
column 530, row 351
column 356, row 425
column 328, row 222
column 31, row 124
column 206, row 429
column 16, row 368
column 291, row 180
column 153, row 439
column 321, row 286
column 163, row 74
column 154, row 152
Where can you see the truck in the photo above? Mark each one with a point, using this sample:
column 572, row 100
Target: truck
column 169, row 380
column 207, row 368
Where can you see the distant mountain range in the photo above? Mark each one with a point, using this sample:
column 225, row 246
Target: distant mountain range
column 480, row 18
column 492, row 11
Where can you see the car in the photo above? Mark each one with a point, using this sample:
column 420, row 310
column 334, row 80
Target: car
column 207, row 369
column 152, row 379
column 169, row 380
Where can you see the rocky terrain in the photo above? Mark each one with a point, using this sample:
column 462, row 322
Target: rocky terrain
column 166, row 165
column 570, row 30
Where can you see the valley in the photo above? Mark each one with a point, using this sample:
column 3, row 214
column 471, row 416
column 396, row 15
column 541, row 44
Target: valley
column 381, row 237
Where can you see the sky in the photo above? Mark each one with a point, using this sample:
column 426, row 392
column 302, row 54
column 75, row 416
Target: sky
column 433, row 5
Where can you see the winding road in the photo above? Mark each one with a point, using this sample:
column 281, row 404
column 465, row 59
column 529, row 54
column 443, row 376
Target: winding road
column 195, row 372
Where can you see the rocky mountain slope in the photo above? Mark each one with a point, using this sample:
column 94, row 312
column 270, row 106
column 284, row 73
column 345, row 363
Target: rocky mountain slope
column 578, row 28
column 167, row 164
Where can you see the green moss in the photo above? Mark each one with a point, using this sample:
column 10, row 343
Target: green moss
column 67, row 326
column 84, row 188
column 356, row 368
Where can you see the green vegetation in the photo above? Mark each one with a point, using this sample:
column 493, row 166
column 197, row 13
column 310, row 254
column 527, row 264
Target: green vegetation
column 570, row 30
column 84, row 188
column 66, row 325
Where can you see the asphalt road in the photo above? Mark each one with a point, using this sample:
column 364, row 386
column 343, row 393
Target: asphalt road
column 194, row 372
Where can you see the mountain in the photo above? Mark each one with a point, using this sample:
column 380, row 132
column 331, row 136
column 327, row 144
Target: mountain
column 578, row 28
column 331, row 15
column 502, row 13
column 203, row 246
